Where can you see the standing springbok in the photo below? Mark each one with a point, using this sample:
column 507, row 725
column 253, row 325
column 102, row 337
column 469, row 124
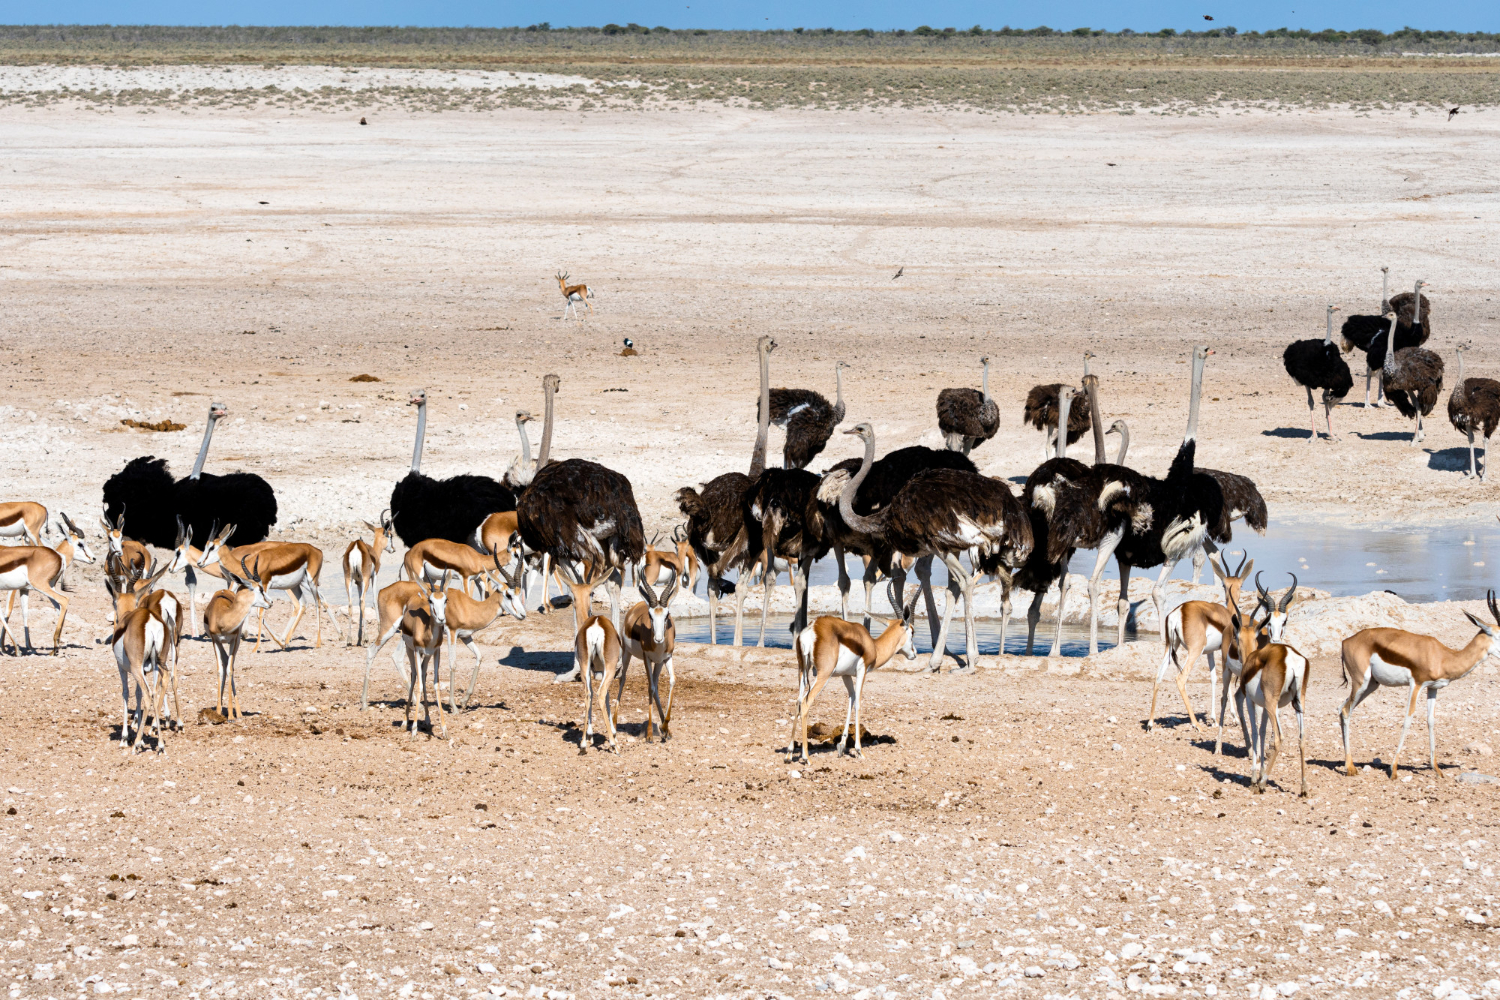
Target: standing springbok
column 680, row 560
column 71, row 546
column 1391, row 657
column 362, row 566
column 574, row 294
column 466, row 616
column 1273, row 676
column 1199, row 627
column 293, row 567
column 832, row 647
column 225, row 617
column 422, row 627
column 649, row 633
column 22, row 519
column 596, row 656
column 140, row 642
column 133, row 552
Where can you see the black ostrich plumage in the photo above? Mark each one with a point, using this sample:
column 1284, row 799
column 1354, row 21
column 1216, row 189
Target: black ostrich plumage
column 716, row 519
column 1040, row 411
column 1475, row 407
column 1050, row 550
column 152, row 501
column 1318, row 364
column 1368, row 333
column 423, row 507
column 809, row 420
column 1241, row 499
column 572, row 501
column 965, row 413
column 775, row 511
column 1187, row 500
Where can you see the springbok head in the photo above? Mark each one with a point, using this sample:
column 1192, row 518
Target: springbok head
column 1232, row 581
column 1276, row 612
column 215, row 544
column 1488, row 628
column 907, row 610
column 74, row 534
column 512, row 594
column 658, row 605
column 114, row 533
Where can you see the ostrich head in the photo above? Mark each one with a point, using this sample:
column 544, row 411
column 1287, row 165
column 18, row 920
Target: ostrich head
column 418, row 398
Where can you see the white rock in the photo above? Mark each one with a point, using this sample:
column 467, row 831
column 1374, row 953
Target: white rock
column 894, row 837
column 1034, row 972
column 1131, row 949
column 1287, row 989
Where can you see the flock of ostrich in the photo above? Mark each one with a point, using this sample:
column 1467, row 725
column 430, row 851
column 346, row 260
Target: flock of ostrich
column 476, row 546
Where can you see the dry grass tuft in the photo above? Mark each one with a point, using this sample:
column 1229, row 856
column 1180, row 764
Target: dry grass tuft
column 364, row 378
column 160, row 425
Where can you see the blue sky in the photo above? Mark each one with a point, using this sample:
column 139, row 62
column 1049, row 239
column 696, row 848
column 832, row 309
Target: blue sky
column 1461, row 15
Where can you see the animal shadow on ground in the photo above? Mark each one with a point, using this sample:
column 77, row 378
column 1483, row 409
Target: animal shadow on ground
column 1451, row 459
column 1228, row 748
column 556, row 663
column 1169, row 722
column 1384, row 436
column 1287, row 432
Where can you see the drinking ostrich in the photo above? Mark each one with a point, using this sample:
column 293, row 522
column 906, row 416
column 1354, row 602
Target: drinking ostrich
column 1474, row 406
column 968, row 418
column 808, row 419
column 423, row 507
column 152, row 503
column 716, row 513
column 1041, row 411
column 947, row 513
column 1368, row 333
column 1413, row 379
column 1317, row 364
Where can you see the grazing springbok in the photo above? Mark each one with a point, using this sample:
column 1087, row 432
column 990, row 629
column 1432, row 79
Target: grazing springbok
column 832, row 647
column 1200, row 628
column 1271, row 677
column 574, row 294
column 293, row 567
column 647, row 632
column 22, row 519
column 466, row 616
column 596, row 655
column 225, row 618
column 433, row 558
column 1391, row 657
column 362, row 566
column 140, row 641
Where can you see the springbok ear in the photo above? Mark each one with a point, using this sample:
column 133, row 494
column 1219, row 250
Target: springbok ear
column 1213, row 564
column 1480, row 624
column 367, row 524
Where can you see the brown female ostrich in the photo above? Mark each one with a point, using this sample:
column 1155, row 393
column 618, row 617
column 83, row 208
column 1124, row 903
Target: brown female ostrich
column 808, row 419
column 968, row 418
column 716, row 513
column 947, row 513
column 1413, row 379
column 1367, row 333
column 1474, row 406
column 1041, row 412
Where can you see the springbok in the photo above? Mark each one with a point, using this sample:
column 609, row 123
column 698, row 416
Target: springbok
column 293, row 567
column 1200, row 627
column 362, row 566
column 22, row 519
column 1391, row 657
column 71, row 546
column 834, row 648
column 24, row 568
column 434, row 558
column 680, row 560
column 133, row 552
column 466, row 616
column 140, row 641
column 225, row 618
column 1272, row 676
column 422, row 627
column 649, row 633
column 574, row 294
column 596, row 651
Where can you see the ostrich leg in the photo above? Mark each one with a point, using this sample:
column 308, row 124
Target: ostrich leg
column 740, row 584
column 1122, row 607
column 940, row 644
column 1473, row 472
column 838, row 556
column 923, row 570
column 1033, row 618
column 713, row 612
column 1062, row 598
column 872, row 574
column 1106, row 549
column 1312, row 419
column 769, row 584
column 965, row 580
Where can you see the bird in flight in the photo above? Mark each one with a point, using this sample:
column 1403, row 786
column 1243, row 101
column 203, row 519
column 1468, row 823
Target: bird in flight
column 1208, row 17
column 1451, row 113
column 899, row 271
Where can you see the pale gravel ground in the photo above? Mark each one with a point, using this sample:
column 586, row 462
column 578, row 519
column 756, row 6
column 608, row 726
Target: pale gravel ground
column 135, row 253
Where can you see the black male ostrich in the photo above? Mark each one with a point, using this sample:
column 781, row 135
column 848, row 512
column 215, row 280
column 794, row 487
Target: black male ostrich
column 1317, row 364
column 775, row 525
column 715, row 513
column 1367, row 333
column 1413, row 380
column 152, row 503
column 423, row 507
column 947, row 513
column 808, row 419
column 968, row 418
column 1474, row 406
column 1041, row 412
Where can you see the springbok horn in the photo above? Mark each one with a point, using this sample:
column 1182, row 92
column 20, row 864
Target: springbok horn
column 1244, row 555
column 1265, row 597
column 1493, row 609
column 1286, row 601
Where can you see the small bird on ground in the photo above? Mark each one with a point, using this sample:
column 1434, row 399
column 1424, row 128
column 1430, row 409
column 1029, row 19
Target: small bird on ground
column 363, row 122
column 629, row 351
column 1451, row 113
column 899, row 271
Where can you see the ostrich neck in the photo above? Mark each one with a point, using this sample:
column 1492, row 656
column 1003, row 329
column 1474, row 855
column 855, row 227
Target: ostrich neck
column 1385, row 290
column 1194, row 399
column 208, row 433
column 1328, row 335
column 865, row 525
column 1091, row 386
column 545, row 450
column 838, row 394
column 1085, row 366
column 1064, row 403
column 525, row 441
column 1124, row 444
column 1458, row 389
column 416, row 452
column 984, row 383
column 1390, row 348
column 1416, row 306
column 763, row 427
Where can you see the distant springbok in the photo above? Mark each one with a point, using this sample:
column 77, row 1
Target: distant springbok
column 574, row 294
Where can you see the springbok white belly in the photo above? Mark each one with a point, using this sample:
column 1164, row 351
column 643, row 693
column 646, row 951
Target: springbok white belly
column 15, row 579
column 15, row 529
column 1388, row 674
column 848, row 664
column 288, row 581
